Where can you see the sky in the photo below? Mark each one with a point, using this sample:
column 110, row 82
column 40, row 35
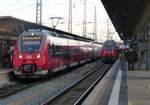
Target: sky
column 26, row 10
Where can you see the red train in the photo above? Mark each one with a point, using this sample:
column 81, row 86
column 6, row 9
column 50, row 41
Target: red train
column 109, row 52
column 38, row 52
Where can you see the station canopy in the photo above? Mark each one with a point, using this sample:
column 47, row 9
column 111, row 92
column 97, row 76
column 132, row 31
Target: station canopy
column 128, row 16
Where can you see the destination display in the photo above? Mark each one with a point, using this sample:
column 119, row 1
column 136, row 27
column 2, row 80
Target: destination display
column 31, row 37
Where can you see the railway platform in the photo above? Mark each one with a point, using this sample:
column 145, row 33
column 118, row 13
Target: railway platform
column 121, row 87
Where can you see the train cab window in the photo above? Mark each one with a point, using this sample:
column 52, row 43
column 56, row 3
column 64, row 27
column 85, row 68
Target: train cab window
column 30, row 44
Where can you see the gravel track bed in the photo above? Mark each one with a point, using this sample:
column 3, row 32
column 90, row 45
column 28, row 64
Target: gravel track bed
column 41, row 92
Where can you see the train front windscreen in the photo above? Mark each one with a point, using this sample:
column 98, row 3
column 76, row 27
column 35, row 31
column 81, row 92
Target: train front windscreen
column 30, row 44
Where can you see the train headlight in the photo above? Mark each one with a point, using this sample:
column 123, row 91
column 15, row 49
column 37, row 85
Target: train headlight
column 38, row 56
column 20, row 56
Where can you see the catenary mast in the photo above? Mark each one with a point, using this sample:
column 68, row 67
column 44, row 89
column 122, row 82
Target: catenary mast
column 84, row 20
column 39, row 12
column 70, row 17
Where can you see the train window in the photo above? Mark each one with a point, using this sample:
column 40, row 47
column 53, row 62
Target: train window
column 65, row 51
column 75, row 50
column 58, row 50
column 53, row 49
column 65, row 36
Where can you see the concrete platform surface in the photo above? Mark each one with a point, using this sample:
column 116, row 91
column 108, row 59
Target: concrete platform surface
column 138, row 83
column 134, row 88
column 101, row 94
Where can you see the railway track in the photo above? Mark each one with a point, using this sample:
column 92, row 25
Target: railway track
column 12, row 88
column 77, row 92
column 15, row 87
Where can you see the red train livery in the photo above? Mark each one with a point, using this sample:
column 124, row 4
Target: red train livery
column 38, row 52
column 109, row 52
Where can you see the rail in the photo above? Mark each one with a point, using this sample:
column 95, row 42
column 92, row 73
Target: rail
column 79, row 90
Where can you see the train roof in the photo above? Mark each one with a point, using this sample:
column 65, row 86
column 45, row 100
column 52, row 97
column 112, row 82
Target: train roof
column 44, row 32
column 14, row 26
column 109, row 41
